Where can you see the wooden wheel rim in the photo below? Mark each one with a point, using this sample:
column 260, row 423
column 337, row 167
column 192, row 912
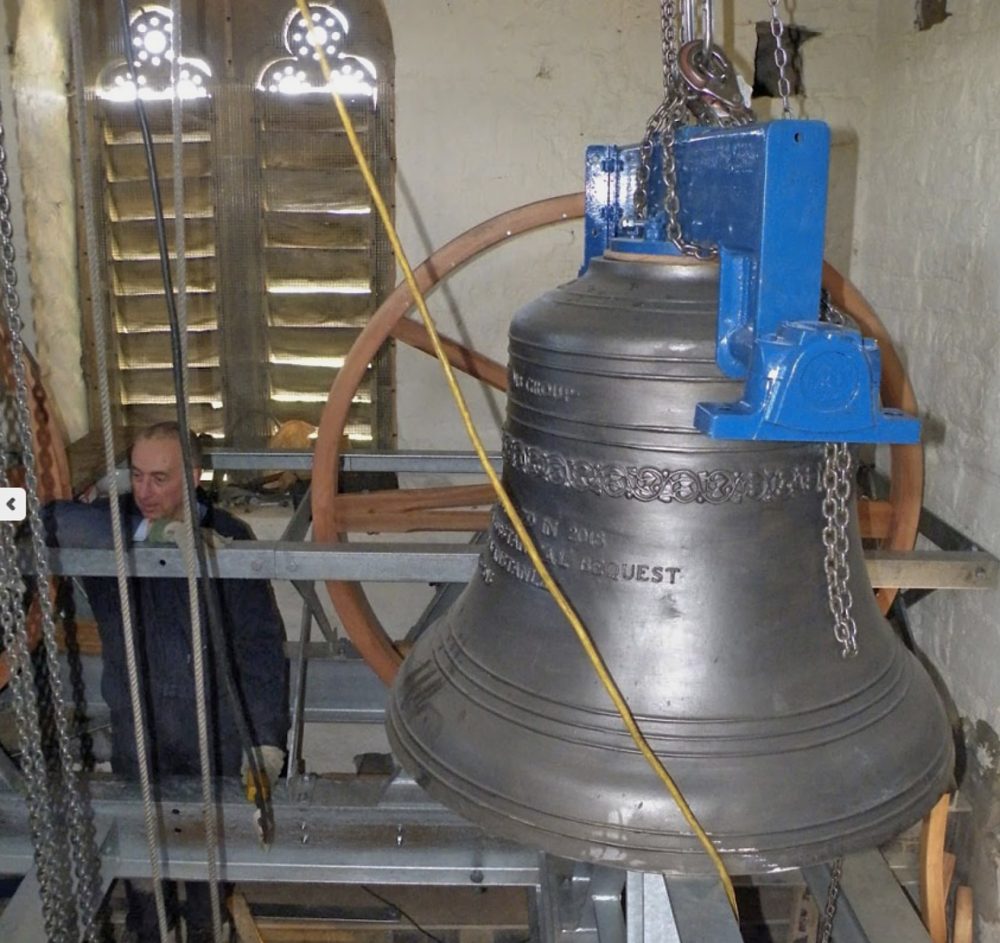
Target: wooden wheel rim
column 48, row 437
column 349, row 599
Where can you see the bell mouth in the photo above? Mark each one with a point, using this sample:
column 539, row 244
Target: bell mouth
column 651, row 258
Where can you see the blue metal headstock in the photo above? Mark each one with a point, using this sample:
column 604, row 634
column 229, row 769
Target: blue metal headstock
column 758, row 194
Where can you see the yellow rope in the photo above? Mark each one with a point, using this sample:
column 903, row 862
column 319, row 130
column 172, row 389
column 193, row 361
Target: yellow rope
column 610, row 685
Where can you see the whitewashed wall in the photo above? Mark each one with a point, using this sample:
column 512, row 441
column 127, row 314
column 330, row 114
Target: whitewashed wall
column 927, row 255
column 495, row 104
column 928, row 252
column 41, row 70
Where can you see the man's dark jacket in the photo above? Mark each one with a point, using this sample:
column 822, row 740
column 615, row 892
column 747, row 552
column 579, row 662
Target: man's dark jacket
column 161, row 618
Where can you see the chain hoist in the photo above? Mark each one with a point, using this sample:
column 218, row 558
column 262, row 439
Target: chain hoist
column 698, row 79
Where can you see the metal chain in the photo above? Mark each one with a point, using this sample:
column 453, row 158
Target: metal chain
column 662, row 126
column 81, row 838
column 780, row 59
column 832, row 898
column 54, row 798
column 830, row 313
column 52, row 863
column 656, row 122
column 836, row 515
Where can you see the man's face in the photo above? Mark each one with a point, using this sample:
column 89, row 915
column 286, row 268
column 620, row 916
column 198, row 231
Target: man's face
column 157, row 478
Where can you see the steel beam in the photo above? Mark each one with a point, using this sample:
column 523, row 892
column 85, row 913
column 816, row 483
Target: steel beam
column 701, row 911
column 455, row 563
column 872, row 906
column 366, row 830
column 649, row 916
column 456, row 463
column 21, row 918
column 286, row 560
column 381, row 830
column 933, row 569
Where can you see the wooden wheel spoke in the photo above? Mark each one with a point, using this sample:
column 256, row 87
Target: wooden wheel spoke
column 875, row 518
column 414, row 509
column 414, row 334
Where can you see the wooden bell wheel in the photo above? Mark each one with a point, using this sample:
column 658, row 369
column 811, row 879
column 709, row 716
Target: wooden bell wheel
column 893, row 523
column 51, row 461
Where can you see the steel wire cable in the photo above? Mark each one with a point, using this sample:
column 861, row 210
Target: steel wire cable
column 208, row 809
column 98, row 318
column 579, row 629
column 217, row 635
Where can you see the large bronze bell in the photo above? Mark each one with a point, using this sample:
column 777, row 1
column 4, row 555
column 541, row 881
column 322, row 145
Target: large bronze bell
column 697, row 566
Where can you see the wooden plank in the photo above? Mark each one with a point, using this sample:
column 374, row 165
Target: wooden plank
column 875, row 518
column 933, row 894
column 120, row 124
column 305, row 148
column 138, row 237
column 318, row 263
column 144, row 276
column 933, row 569
column 203, row 417
column 318, row 230
column 138, row 313
column 314, row 190
column 285, row 113
column 291, row 342
column 415, row 509
column 331, row 310
column 151, row 347
column 148, row 385
column 246, row 927
column 85, row 636
column 964, row 914
column 127, row 161
column 290, row 379
column 131, row 199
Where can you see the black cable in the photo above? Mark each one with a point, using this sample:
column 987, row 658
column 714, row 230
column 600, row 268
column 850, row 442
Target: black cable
column 402, row 913
column 221, row 649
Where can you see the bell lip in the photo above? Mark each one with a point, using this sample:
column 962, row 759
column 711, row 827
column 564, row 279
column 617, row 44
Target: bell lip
column 767, row 853
column 650, row 258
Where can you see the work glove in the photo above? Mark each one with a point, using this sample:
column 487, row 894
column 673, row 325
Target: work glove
column 163, row 531
column 270, row 760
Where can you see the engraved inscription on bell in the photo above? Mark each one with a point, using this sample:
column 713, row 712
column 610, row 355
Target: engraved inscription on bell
column 569, row 547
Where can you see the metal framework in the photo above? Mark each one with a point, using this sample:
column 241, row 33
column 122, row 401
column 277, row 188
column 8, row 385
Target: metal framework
column 385, row 830
column 381, row 830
